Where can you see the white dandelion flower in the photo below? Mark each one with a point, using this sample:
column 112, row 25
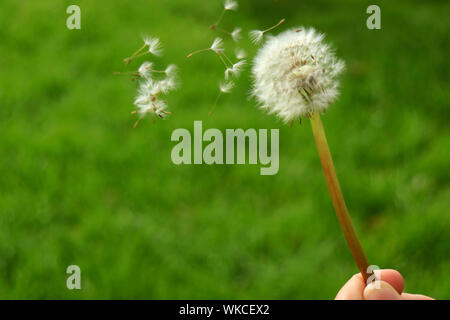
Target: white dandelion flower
column 217, row 45
column 231, row 5
column 154, row 45
column 226, row 87
column 236, row 34
column 145, row 69
column 295, row 74
column 256, row 36
column 240, row 54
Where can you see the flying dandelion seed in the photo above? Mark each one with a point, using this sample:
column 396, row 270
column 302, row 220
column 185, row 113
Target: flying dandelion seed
column 256, row 36
column 240, row 54
column 154, row 46
column 145, row 69
column 224, row 87
column 232, row 69
column 217, row 47
column 154, row 84
column 235, row 70
column 171, row 71
column 236, row 34
column 229, row 5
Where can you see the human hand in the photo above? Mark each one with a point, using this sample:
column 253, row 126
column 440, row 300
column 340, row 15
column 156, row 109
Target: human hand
column 391, row 287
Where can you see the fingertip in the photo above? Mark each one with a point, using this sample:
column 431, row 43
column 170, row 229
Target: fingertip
column 353, row 289
column 409, row 296
column 393, row 277
column 381, row 290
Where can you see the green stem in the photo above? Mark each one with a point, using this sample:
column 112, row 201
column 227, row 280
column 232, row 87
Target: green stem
column 337, row 197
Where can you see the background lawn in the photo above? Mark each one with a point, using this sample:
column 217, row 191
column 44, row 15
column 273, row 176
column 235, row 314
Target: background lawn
column 79, row 185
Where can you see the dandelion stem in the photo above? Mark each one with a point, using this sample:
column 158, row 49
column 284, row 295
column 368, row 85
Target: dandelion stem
column 125, row 72
column 224, row 62
column 337, row 197
column 226, row 57
column 277, row 25
column 215, row 104
column 142, row 54
column 225, row 31
column 214, row 26
column 128, row 60
column 139, row 51
column 198, row 51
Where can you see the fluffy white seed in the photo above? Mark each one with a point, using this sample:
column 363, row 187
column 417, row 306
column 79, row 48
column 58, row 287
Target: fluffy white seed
column 145, row 69
column 226, row 87
column 236, row 34
column 235, row 70
column 240, row 54
column 217, row 45
column 256, row 36
column 154, row 45
column 171, row 71
column 230, row 5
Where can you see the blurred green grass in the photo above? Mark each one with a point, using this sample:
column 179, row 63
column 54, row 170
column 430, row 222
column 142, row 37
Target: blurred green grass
column 79, row 186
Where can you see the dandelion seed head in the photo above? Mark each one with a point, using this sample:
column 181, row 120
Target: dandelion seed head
column 231, row 5
column 295, row 74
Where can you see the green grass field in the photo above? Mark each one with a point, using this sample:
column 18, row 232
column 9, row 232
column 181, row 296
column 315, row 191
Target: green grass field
column 79, row 185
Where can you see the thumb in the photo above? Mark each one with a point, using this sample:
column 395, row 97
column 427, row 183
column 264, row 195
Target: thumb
column 380, row 290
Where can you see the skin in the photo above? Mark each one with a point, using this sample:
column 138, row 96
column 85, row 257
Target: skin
column 390, row 288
